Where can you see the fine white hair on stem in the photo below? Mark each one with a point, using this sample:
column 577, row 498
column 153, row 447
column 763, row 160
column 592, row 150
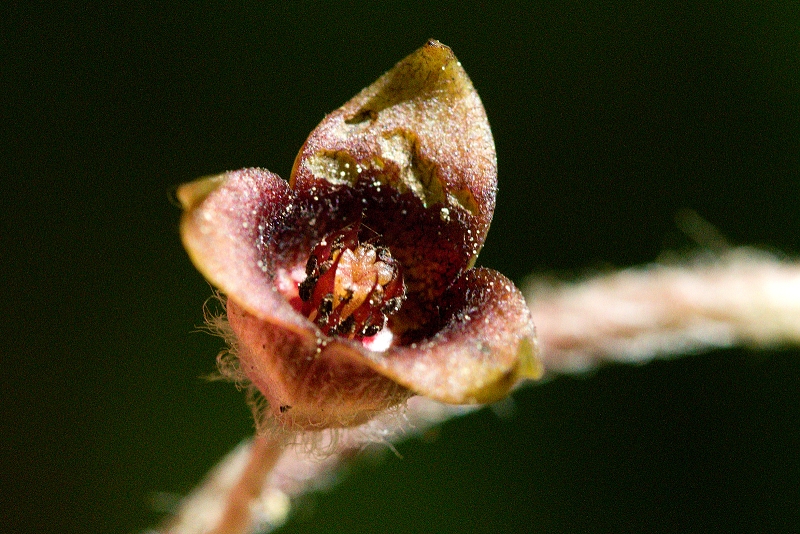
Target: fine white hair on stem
column 741, row 297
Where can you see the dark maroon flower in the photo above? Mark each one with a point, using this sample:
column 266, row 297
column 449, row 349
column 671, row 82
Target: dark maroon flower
column 352, row 287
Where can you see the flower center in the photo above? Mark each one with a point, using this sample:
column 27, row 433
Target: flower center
column 351, row 287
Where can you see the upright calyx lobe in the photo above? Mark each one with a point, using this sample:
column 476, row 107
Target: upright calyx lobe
column 411, row 157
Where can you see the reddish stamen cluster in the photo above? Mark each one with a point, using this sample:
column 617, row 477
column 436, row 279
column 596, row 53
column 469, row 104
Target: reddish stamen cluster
column 351, row 287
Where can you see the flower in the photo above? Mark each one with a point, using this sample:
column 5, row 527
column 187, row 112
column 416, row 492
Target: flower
column 352, row 287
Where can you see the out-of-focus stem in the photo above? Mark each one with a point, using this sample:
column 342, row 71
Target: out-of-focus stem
column 634, row 315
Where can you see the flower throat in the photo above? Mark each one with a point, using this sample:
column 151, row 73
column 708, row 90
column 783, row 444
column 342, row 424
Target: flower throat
column 351, row 287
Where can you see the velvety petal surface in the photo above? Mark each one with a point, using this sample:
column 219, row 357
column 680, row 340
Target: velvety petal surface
column 486, row 344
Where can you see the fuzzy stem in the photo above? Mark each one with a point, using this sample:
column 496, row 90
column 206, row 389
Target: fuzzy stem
column 634, row 315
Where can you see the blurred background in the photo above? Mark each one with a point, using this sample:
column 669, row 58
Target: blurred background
column 609, row 119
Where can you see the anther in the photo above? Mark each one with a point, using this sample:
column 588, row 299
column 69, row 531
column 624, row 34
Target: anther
column 351, row 287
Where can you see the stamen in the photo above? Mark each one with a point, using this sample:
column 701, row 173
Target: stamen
column 351, row 287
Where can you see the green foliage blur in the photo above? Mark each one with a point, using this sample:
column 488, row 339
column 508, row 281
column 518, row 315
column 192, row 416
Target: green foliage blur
column 609, row 119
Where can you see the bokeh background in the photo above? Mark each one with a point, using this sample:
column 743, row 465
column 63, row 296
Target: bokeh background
column 609, row 119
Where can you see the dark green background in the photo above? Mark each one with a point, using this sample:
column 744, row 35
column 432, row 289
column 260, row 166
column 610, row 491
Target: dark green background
column 608, row 119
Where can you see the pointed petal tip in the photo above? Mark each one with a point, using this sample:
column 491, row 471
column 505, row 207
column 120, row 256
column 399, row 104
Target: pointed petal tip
column 191, row 194
column 530, row 362
column 499, row 385
column 424, row 119
column 191, row 197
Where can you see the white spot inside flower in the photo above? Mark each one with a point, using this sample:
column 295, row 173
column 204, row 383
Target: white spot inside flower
column 287, row 281
column 380, row 342
column 444, row 214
